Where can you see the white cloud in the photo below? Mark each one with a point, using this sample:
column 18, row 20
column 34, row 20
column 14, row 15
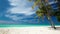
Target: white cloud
column 6, row 22
column 14, row 17
column 26, row 11
column 52, row 2
column 20, row 7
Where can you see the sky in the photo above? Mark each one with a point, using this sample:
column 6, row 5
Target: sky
column 20, row 12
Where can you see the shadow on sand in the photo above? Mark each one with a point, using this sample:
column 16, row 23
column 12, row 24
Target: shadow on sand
column 57, row 28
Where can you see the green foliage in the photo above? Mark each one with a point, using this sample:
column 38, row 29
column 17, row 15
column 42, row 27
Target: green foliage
column 44, row 10
column 39, row 13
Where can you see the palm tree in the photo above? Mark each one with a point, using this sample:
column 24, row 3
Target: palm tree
column 58, row 12
column 49, row 14
column 44, row 10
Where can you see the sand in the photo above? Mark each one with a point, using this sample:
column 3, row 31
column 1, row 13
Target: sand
column 29, row 30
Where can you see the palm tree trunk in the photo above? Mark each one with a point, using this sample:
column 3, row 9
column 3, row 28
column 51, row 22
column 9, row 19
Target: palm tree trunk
column 51, row 23
column 38, row 19
column 49, row 18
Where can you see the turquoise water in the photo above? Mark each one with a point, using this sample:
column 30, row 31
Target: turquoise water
column 24, row 25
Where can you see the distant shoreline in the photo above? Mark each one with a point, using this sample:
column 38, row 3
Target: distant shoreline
column 27, row 26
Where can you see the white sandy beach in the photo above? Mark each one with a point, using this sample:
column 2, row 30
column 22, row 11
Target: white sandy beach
column 29, row 30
